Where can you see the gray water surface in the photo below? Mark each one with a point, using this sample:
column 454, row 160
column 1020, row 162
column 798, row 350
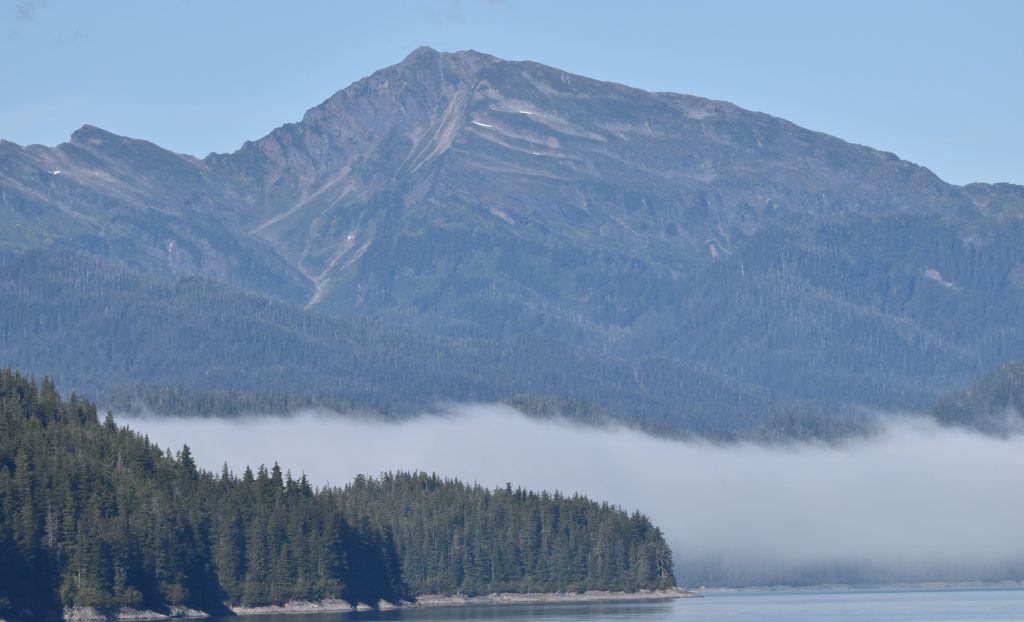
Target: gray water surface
column 950, row 605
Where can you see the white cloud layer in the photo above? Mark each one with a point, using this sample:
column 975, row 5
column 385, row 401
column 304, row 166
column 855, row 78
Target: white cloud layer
column 916, row 502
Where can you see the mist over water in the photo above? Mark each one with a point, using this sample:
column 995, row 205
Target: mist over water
column 917, row 502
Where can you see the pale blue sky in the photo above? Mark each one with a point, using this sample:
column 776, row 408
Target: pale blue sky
column 938, row 83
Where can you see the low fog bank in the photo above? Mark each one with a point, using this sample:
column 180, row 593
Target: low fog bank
column 917, row 502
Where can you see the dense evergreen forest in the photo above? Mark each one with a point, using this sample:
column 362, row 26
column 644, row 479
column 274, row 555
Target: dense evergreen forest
column 96, row 515
column 191, row 346
column 994, row 404
column 457, row 538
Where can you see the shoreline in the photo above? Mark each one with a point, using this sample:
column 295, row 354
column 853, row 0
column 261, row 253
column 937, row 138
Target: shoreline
column 126, row 614
column 839, row 587
column 129, row 614
column 516, row 598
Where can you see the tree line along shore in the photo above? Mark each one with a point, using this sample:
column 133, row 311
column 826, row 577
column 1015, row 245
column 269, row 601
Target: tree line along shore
column 97, row 517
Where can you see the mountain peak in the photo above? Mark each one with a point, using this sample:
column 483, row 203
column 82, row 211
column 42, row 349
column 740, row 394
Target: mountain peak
column 467, row 61
column 90, row 134
column 424, row 51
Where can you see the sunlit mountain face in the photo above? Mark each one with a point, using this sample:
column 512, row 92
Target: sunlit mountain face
column 509, row 231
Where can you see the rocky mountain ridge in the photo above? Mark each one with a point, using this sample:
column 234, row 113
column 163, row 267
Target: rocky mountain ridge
column 440, row 136
column 476, row 198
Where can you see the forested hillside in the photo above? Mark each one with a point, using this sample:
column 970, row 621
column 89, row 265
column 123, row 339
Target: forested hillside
column 457, row 538
column 191, row 346
column 96, row 515
column 93, row 515
column 994, row 404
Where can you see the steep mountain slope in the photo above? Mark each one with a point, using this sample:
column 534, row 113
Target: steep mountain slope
column 647, row 246
column 876, row 311
column 443, row 152
column 132, row 201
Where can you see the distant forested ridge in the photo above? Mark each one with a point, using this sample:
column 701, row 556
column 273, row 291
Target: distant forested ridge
column 192, row 346
column 206, row 348
column 994, row 404
column 96, row 515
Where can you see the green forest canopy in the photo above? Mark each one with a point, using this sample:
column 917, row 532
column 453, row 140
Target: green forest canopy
column 96, row 515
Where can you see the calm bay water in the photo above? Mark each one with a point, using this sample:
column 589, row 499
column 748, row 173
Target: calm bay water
column 954, row 605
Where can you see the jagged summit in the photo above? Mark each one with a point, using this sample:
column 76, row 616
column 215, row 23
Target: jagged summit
column 421, row 51
column 89, row 134
column 88, row 131
column 425, row 51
